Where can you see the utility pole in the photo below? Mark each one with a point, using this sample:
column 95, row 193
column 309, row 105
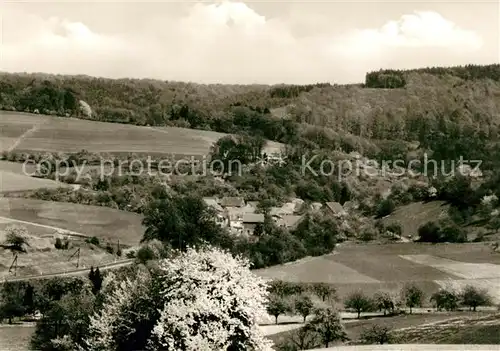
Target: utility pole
column 14, row 264
column 77, row 253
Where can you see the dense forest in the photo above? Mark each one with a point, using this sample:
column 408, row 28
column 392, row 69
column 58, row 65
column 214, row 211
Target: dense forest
column 459, row 104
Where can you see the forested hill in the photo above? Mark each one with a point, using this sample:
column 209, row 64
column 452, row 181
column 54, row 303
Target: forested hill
column 458, row 107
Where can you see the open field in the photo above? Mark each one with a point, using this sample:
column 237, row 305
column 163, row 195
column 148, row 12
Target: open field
column 374, row 267
column 473, row 329
column 15, row 177
column 28, row 132
column 17, row 168
column 102, row 222
column 50, row 260
column 12, row 182
column 15, row 337
column 325, row 270
column 414, row 215
column 354, row 328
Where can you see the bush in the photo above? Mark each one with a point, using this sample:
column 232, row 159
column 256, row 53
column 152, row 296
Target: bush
column 395, row 228
column 368, row 235
column 109, row 248
column 145, row 254
column 376, row 334
column 385, row 208
column 58, row 244
column 130, row 254
column 61, row 244
column 434, row 233
column 93, row 240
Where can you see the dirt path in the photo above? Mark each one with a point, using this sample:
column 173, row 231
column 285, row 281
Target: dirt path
column 25, row 135
column 62, row 230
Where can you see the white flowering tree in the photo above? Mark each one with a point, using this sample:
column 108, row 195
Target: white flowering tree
column 212, row 302
column 199, row 300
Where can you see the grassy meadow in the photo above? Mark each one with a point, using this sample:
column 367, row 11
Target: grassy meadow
column 102, row 222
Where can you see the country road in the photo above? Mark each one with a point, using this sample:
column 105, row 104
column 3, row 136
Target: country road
column 118, row 264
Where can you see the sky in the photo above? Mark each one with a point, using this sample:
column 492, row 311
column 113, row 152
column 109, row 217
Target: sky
column 236, row 42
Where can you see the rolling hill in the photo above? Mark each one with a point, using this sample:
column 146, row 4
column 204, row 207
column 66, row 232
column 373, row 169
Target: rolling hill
column 23, row 132
column 375, row 267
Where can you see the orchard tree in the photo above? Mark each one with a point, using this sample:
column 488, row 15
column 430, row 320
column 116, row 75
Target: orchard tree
column 474, row 297
column 384, row 301
column 412, row 296
column 323, row 290
column 197, row 300
column 445, row 299
column 358, row 302
column 326, row 323
column 277, row 306
column 304, row 306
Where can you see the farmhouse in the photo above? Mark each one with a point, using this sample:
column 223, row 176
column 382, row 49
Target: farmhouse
column 220, row 214
column 250, row 221
column 335, row 209
column 229, row 201
column 289, row 222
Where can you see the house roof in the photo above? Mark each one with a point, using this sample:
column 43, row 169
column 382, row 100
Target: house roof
column 253, row 203
column 335, row 207
column 275, row 211
column 253, row 218
column 230, row 201
column 212, row 202
column 289, row 221
column 287, row 209
column 248, row 209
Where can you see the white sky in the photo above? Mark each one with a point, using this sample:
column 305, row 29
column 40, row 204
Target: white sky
column 245, row 42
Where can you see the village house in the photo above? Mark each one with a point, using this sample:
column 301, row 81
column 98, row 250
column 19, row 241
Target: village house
column 232, row 201
column 220, row 214
column 335, row 209
column 249, row 222
column 289, row 222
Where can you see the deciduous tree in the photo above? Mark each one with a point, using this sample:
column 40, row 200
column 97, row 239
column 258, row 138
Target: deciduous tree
column 358, row 302
column 326, row 323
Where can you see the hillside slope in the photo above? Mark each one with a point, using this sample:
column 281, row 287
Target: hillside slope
column 71, row 135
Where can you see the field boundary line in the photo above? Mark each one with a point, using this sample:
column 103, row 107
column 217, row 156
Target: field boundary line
column 65, row 231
